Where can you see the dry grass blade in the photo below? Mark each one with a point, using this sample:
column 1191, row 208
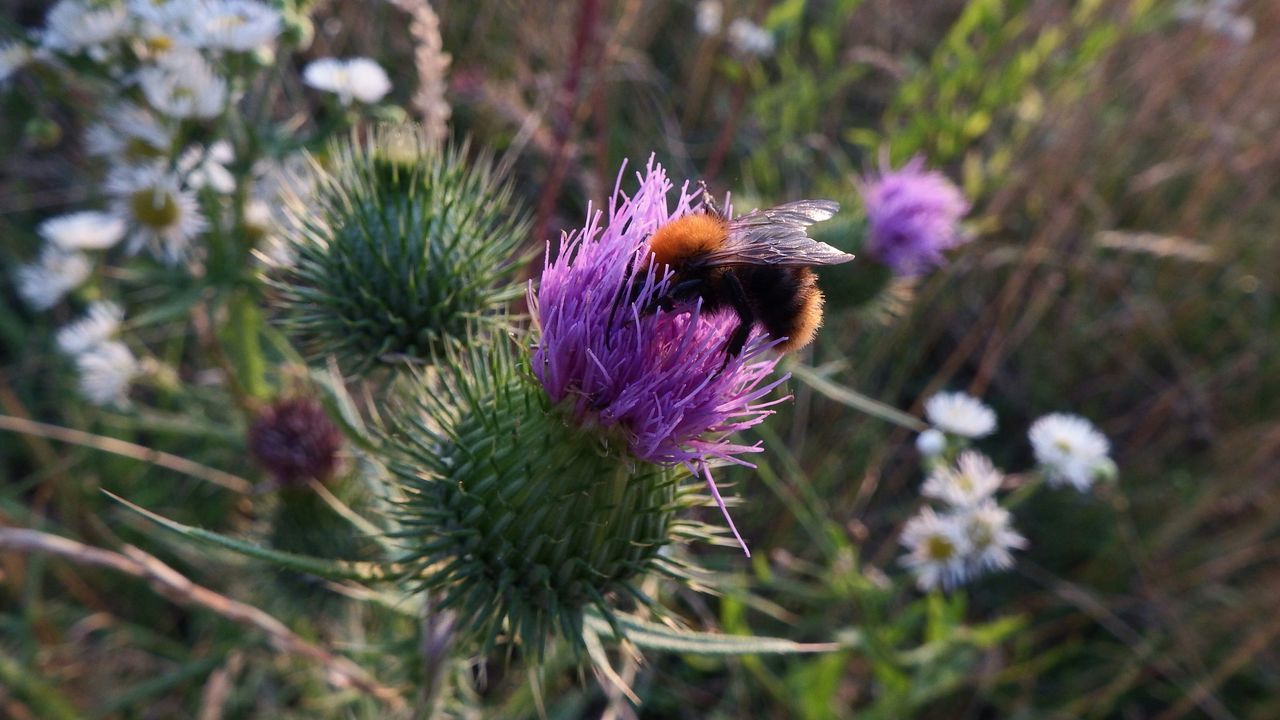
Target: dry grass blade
column 234, row 483
column 173, row 585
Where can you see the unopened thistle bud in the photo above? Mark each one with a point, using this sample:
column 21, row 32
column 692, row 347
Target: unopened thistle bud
column 295, row 441
column 399, row 249
column 517, row 519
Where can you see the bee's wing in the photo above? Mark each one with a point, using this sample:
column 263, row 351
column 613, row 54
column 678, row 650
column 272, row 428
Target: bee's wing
column 778, row 236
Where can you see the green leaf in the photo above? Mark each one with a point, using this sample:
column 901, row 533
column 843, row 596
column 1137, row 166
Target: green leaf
column 854, row 399
column 653, row 636
column 320, row 567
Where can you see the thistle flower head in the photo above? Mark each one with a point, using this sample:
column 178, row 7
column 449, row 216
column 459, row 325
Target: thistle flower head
column 914, row 215
column 295, row 440
column 397, row 251
column 516, row 519
column 1071, row 450
column 960, row 414
column 659, row 383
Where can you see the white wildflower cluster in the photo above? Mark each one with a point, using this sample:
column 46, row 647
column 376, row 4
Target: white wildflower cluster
column 971, row 533
column 163, row 82
column 960, row 414
column 1223, row 17
column 1071, row 451
column 744, row 37
column 750, row 39
column 106, row 366
column 356, row 78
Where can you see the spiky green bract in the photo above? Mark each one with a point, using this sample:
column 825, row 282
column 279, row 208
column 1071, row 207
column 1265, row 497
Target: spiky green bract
column 399, row 247
column 518, row 520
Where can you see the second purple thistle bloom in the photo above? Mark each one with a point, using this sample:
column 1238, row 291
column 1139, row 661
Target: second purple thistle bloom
column 658, row 382
column 914, row 215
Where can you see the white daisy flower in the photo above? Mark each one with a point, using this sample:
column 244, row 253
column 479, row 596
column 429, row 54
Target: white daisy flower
column 708, row 16
column 960, row 414
column 236, row 25
column 937, row 550
column 84, row 230
column 106, row 370
column 971, row 481
column 359, row 78
column 43, row 283
column 183, row 85
column 931, row 443
column 206, row 167
column 130, row 133
column 750, row 39
column 96, row 327
column 1070, row 449
column 991, row 536
column 162, row 25
column 162, row 215
column 13, row 56
column 72, row 26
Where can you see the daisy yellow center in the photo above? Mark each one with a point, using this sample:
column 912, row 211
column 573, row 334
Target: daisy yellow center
column 964, row 482
column 139, row 149
column 981, row 534
column 157, row 209
column 939, row 548
column 160, row 43
column 1062, row 445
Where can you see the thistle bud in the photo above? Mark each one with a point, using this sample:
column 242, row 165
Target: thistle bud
column 516, row 519
column 295, row 441
column 400, row 248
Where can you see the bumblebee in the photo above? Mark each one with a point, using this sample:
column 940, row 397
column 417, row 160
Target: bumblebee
column 757, row 265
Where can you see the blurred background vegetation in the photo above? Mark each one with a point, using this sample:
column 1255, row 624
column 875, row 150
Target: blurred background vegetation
column 1123, row 158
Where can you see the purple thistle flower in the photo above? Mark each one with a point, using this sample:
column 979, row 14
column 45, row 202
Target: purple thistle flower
column 654, row 379
column 914, row 215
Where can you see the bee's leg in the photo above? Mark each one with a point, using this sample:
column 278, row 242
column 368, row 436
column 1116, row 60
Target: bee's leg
column 681, row 290
column 746, row 316
column 709, row 201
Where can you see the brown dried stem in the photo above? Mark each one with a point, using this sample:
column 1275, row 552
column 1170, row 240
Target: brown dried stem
column 234, row 483
column 173, row 585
